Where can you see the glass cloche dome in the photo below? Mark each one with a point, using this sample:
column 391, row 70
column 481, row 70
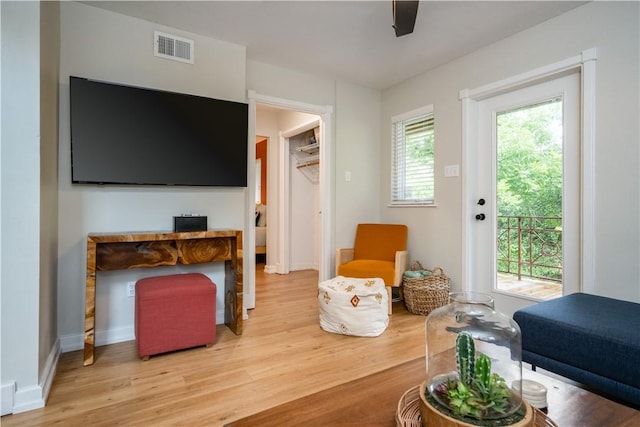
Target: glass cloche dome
column 473, row 355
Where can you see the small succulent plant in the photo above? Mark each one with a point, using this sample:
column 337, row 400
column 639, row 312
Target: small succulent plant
column 476, row 392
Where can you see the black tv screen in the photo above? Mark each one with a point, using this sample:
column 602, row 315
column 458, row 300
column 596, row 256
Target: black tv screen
column 129, row 135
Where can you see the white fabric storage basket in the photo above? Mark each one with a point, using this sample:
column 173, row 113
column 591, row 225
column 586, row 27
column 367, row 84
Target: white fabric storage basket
column 352, row 306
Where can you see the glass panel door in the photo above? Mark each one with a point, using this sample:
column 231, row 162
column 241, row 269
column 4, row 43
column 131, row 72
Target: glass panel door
column 529, row 149
column 526, row 236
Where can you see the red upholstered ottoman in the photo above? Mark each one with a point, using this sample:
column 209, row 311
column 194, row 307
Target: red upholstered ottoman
column 174, row 312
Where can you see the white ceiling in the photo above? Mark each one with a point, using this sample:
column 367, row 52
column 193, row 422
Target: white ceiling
column 348, row 40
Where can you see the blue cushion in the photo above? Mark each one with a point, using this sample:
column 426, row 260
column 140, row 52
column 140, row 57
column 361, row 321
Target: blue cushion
column 592, row 333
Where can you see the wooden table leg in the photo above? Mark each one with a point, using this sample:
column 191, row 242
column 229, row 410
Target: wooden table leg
column 90, row 305
column 233, row 287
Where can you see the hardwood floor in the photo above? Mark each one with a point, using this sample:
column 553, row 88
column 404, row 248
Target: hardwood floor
column 282, row 355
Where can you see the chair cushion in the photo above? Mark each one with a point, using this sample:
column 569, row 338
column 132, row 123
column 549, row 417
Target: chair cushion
column 351, row 306
column 364, row 268
column 379, row 241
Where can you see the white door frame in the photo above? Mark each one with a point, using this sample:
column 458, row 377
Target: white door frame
column 325, row 113
column 586, row 64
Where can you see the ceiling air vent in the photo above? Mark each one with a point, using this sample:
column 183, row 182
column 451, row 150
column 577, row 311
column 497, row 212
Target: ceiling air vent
column 172, row 47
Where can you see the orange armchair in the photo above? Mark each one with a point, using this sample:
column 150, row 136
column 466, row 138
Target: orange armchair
column 380, row 250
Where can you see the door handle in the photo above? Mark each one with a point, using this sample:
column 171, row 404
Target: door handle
column 481, row 216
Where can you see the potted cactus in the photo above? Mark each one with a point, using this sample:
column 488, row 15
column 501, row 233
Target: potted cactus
column 473, row 395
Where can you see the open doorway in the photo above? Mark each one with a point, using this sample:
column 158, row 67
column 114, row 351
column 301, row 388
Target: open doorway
column 262, row 166
column 287, row 217
column 290, row 201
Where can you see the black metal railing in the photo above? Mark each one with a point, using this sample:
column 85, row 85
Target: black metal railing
column 530, row 246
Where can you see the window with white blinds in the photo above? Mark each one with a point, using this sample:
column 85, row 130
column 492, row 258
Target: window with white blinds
column 412, row 170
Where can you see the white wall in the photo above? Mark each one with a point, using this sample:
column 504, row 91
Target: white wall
column 107, row 46
column 291, row 85
column 20, row 193
column 358, row 152
column 29, row 193
column 49, row 120
column 611, row 27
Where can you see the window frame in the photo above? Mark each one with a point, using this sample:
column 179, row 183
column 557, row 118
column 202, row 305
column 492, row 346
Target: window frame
column 428, row 111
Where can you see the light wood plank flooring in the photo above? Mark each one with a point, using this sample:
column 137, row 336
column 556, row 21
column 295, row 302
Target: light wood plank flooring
column 282, row 355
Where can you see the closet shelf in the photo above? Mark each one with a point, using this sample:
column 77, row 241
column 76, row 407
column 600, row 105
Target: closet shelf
column 309, row 149
column 306, row 152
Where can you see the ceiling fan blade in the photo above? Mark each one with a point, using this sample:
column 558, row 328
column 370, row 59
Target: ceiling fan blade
column 404, row 16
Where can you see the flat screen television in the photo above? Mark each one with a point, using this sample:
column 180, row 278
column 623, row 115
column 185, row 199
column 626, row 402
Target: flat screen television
column 129, row 135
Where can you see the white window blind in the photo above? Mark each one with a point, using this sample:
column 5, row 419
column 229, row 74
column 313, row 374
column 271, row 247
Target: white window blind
column 412, row 177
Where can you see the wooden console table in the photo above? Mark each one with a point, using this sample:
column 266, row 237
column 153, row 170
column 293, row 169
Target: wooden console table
column 153, row 249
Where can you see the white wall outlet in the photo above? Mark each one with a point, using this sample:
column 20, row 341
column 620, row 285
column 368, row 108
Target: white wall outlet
column 131, row 289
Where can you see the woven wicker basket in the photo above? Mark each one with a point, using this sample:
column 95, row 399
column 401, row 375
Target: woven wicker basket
column 424, row 294
column 408, row 412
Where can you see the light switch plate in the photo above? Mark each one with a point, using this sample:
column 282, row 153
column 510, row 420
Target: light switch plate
column 451, row 170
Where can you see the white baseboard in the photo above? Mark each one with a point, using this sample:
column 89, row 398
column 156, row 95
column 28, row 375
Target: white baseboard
column 50, row 368
column 28, row 398
column 301, row 266
column 273, row 269
column 111, row 336
column 34, row 397
column 7, row 393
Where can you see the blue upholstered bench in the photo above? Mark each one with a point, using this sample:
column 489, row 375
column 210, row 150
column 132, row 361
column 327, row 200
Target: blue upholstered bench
column 587, row 338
